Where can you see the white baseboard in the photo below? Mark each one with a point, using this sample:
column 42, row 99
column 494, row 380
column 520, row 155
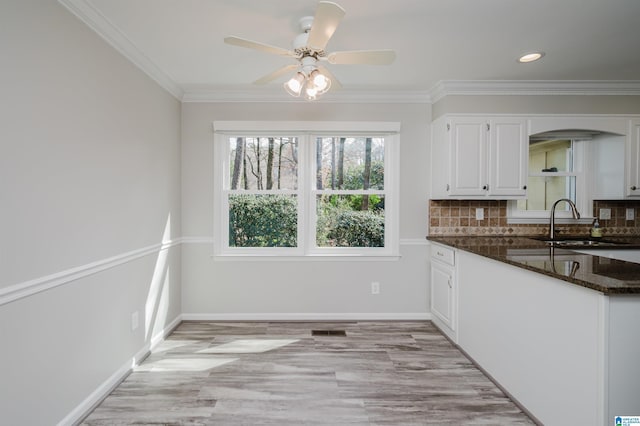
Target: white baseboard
column 410, row 316
column 91, row 401
column 102, row 391
column 165, row 332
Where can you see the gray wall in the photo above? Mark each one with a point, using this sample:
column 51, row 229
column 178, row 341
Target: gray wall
column 89, row 189
column 303, row 289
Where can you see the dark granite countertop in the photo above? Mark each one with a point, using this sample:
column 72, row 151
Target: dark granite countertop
column 608, row 276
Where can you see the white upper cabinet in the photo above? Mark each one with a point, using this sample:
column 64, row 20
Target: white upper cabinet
column 468, row 160
column 508, row 156
column 633, row 159
column 477, row 157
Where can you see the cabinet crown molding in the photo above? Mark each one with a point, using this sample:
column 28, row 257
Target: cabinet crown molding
column 533, row 87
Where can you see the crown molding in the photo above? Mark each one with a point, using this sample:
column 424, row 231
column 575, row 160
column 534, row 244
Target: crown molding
column 533, row 87
column 279, row 95
column 88, row 14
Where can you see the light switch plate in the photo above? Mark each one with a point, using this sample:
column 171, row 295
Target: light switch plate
column 605, row 214
column 479, row 214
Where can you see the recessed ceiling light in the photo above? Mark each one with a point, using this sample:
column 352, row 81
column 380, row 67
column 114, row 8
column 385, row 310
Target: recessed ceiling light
column 530, row 57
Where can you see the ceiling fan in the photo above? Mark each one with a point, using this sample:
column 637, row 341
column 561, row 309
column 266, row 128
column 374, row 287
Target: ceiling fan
column 312, row 78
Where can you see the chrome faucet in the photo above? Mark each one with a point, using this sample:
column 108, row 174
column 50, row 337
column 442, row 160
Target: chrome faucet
column 552, row 219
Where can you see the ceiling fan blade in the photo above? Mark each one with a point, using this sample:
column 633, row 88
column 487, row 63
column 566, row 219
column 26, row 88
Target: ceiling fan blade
column 370, row 57
column 249, row 44
column 335, row 83
column 277, row 73
column 328, row 16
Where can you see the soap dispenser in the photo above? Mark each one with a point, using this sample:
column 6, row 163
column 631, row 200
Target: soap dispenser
column 596, row 231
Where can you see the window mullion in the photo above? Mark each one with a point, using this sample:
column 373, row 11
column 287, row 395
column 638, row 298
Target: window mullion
column 308, row 227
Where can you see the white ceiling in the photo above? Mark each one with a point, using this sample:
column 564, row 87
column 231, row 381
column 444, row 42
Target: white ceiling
column 180, row 42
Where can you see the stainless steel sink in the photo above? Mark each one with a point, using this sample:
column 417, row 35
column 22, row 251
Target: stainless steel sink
column 579, row 243
column 573, row 242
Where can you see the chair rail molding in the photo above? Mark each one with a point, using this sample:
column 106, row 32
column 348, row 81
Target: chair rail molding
column 28, row 288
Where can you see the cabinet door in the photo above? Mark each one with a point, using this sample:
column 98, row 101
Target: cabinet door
column 633, row 160
column 440, row 158
column 442, row 293
column 508, row 156
column 468, row 172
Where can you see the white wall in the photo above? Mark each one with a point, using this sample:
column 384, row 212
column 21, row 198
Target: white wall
column 89, row 191
column 303, row 289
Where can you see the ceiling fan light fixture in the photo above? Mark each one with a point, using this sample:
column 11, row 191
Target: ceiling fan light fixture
column 311, row 81
column 530, row 57
column 295, row 84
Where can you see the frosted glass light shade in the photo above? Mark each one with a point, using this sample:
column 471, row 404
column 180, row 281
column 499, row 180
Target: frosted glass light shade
column 320, row 82
column 294, row 86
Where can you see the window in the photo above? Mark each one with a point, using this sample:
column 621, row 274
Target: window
column 556, row 167
column 306, row 188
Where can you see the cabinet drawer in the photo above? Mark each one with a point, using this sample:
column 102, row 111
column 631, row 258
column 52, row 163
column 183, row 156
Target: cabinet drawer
column 443, row 254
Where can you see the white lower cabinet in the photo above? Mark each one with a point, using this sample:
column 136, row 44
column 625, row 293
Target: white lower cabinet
column 443, row 289
column 568, row 354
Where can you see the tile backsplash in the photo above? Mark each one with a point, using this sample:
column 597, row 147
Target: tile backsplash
column 458, row 217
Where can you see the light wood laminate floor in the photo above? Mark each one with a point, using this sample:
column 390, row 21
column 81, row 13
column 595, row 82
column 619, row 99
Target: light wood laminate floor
column 277, row 373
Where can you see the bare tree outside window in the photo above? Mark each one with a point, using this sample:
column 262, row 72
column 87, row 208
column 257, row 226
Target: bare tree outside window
column 237, row 163
column 256, row 156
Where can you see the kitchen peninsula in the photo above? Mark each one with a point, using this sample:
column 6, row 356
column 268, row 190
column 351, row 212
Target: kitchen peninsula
column 556, row 328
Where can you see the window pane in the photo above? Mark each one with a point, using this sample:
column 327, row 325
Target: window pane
column 349, row 163
column 350, row 221
column 550, row 156
column 263, row 220
column 542, row 192
column 263, row 163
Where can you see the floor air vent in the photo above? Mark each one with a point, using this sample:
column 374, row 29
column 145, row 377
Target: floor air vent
column 328, row 333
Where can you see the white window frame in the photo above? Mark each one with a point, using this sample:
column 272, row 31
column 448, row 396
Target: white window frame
column 306, row 132
column 584, row 202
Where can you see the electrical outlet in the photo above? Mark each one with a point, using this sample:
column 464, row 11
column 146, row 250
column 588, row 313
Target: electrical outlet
column 605, row 214
column 631, row 214
column 479, row 214
column 375, row 288
column 135, row 321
